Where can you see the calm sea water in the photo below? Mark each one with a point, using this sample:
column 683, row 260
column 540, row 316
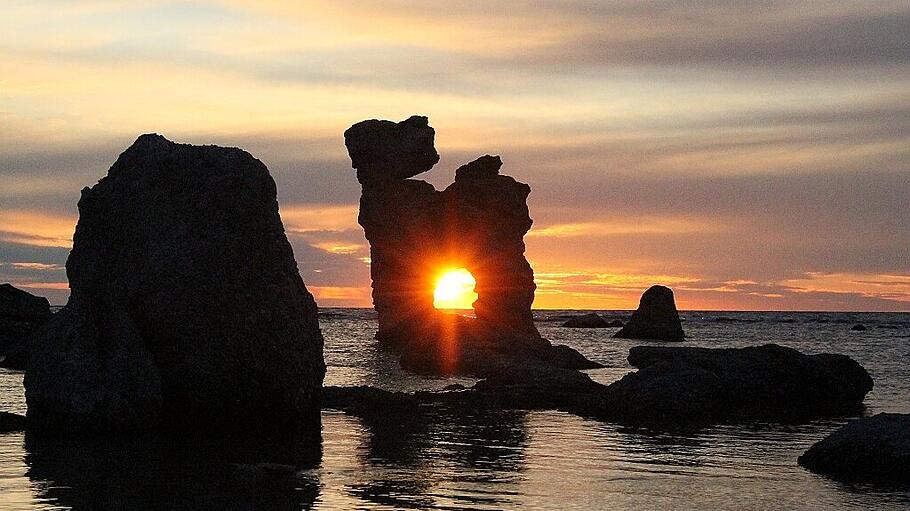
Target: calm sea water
column 508, row 459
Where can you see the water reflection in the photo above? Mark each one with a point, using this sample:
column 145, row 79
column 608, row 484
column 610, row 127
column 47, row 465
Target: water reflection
column 439, row 458
column 154, row 473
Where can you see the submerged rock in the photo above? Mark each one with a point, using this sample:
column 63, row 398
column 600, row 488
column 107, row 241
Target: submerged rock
column 187, row 308
column 656, row 317
column 859, row 327
column 21, row 314
column 590, row 320
column 874, row 449
column 677, row 385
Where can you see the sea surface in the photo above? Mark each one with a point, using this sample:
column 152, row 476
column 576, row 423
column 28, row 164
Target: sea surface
column 507, row 459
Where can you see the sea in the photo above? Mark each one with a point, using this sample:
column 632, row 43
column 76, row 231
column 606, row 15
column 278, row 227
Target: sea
column 507, row 459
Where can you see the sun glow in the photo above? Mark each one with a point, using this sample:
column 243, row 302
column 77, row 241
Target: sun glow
column 454, row 290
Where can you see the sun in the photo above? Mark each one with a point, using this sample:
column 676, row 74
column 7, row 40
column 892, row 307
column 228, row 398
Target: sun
column 455, row 290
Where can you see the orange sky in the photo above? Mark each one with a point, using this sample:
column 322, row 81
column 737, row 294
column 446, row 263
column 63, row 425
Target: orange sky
column 749, row 155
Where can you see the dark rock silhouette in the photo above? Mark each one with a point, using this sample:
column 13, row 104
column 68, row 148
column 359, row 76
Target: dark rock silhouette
column 682, row 384
column 656, row 317
column 21, row 314
column 875, row 449
column 859, row 327
column 187, row 308
column 674, row 388
column 415, row 232
column 590, row 320
column 11, row 422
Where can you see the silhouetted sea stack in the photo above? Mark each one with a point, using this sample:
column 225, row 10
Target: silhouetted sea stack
column 874, row 449
column 416, row 232
column 187, row 309
column 676, row 385
column 656, row 317
column 21, row 314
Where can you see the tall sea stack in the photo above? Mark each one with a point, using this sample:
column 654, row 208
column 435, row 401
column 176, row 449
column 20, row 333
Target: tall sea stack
column 187, row 309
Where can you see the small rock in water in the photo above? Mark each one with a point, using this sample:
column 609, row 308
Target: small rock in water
column 21, row 314
column 859, row 327
column 874, row 449
column 590, row 320
column 656, row 318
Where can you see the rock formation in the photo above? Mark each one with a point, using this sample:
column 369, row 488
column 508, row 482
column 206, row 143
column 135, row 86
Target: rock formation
column 21, row 314
column 590, row 320
column 415, row 232
column 875, row 449
column 656, row 317
column 682, row 384
column 187, row 309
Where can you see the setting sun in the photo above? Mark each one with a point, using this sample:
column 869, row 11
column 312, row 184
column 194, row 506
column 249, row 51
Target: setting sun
column 455, row 290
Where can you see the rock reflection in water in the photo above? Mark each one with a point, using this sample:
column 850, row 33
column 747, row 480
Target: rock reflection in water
column 152, row 473
column 436, row 457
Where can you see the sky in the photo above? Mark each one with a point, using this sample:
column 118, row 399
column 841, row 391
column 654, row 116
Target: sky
column 750, row 155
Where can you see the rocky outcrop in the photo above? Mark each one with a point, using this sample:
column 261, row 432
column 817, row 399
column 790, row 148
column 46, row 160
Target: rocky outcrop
column 656, row 317
column 590, row 320
column 416, row 232
column 677, row 385
column 875, row 449
column 187, row 309
column 21, row 314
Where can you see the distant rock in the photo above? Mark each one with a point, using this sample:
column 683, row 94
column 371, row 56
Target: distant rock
column 859, row 327
column 874, row 449
column 682, row 385
column 590, row 320
column 615, row 323
column 656, row 317
column 187, row 309
column 21, row 314
column 10, row 422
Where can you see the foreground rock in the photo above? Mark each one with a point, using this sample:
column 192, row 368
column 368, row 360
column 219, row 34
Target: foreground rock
column 656, row 318
column 875, row 449
column 187, row 309
column 590, row 320
column 21, row 314
column 675, row 385
column 417, row 232
column 690, row 387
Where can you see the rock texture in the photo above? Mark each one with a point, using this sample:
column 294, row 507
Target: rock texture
column 874, row 449
column 21, row 314
column 682, row 385
column 590, row 320
column 656, row 317
column 187, row 309
column 416, row 232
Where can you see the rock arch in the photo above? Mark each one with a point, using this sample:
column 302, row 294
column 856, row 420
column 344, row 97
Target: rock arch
column 478, row 222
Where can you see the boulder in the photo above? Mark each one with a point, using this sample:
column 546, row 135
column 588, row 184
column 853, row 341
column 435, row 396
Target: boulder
column 590, row 320
column 681, row 385
column 656, row 317
column 187, row 310
column 21, row 314
column 874, row 449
